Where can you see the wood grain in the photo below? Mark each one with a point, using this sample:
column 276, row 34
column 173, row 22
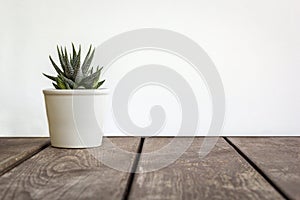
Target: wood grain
column 277, row 157
column 15, row 150
column 223, row 174
column 70, row 174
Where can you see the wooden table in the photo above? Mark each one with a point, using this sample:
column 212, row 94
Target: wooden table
column 236, row 168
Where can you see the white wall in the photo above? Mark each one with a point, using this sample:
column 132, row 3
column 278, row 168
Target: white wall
column 255, row 44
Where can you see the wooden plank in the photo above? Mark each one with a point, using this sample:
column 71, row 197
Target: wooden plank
column 70, row 174
column 277, row 157
column 223, row 174
column 15, row 150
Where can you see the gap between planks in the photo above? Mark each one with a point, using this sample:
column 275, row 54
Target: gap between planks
column 240, row 152
column 134, row 169
column 14, row 160
column 158, row 184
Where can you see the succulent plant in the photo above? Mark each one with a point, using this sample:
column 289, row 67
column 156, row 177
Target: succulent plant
column 73, row 75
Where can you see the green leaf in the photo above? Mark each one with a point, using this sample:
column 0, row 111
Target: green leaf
column 79, row 77
column 87, row 61
column 97, row 79
column 55, row 66
column 71, row 59
column 69, row 69
column 61, row 83
column 50, row 77
column 91, row 71
column 90, row 80
column 74, row 54
column 67, row 86
column 76, row 63
column 56, row 86
column 98, row 84
column 61, row 60
column 67, row 81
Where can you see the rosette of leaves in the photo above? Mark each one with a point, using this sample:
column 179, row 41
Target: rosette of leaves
column 72, row 74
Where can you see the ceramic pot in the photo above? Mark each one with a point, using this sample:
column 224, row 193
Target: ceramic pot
column 76, row 117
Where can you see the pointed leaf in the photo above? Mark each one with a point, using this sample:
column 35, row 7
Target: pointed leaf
column 76, row 63
column 71, row 59
column 97, row 79
column 56, row 86
column 55, row 66
column 79, row 77
column 91, row 71
column 61, row 83
column 61, row 60
column 87, row 61
column 99, row 84
column 50, row 77
column 90, row 80
column 71, row 83
column 74, row 54
column 69, row 69
column 67, row 86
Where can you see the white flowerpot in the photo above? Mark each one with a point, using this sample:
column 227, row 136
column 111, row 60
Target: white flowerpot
column 75, row 117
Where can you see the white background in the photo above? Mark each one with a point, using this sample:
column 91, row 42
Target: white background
column 255, row 45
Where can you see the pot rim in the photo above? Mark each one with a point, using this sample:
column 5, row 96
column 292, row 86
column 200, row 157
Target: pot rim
column 101, row 91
